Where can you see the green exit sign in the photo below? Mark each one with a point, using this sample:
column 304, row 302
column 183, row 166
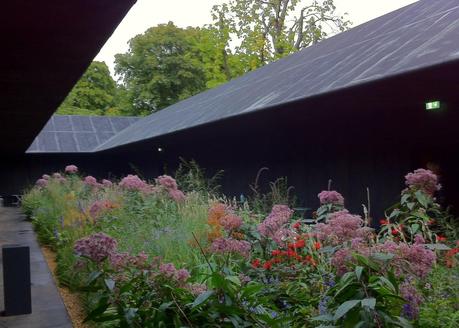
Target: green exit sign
column 433, row 105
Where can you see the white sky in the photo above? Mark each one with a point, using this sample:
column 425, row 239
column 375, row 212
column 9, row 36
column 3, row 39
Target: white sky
column 148, row 13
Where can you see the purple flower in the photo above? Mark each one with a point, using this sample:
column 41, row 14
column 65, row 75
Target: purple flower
column 231, row 222
column 331, row 197
column 341, row 227
column 134, row 183
column 42, row 183
column 177, row 195
column 422, row 179
column 45, row 177
column 168, row 270
column 196, row 289
column 167, row 182
column 280, row 215
column 230, row 245
column 182, row 275
column 97, row 247
column 71, row 169
column 107, row 183
column 413, row 299
column 57, row 175
column 91, row 181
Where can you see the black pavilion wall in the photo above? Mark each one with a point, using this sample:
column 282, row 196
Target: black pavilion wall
column 20, row 171
column 366, row 137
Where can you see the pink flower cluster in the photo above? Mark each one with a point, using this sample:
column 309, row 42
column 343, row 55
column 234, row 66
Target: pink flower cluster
column 330, row 197
column 231, row 222
column 422, row 179
column 99, row 207
column 120, row 260
column 169, row 271
column 134, row 183
column 196, row 289
column 341, row 227
column 411, row 260
column 42, row 183
column 420, row 258
column 230, row 245
column 279, row 216
column 169, row 184
column 71, row 169
column 90, row 181
column 107, row 183
column 96, row 247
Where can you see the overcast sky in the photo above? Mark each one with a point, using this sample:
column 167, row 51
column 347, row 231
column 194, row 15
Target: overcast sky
column 148, row 13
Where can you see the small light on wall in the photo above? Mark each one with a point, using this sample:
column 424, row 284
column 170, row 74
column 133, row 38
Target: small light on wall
column 433, row 105
column 160, row 149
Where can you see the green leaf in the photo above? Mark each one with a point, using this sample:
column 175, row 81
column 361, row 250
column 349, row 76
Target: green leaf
column 165, row 306
column 202, row 298
column 102, row 305
column 382, row 256
column 345, row 308
column 386, row 282
column 414, row 228
column 369, row 302
column 324, row 317
column 93, row 276
column 439, row 247
column 422, row 198
column 358, row 272
column 405, row 198
column 234, row 279
column 110, row 284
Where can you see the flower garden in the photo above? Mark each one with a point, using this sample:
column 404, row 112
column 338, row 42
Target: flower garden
column 176, row 253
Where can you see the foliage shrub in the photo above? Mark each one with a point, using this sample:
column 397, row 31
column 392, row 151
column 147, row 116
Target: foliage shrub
column 147, row 254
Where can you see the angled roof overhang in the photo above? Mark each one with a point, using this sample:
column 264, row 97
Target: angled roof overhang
column 408, row 42
column 46, row 47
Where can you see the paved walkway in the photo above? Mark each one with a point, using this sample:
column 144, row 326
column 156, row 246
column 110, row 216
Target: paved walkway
column 48, row 310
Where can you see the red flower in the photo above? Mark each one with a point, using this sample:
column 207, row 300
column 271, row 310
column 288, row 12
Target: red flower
column 276, row 252
column 441, row 238
column 299, row 244
column 317, row 245
column 431, row 221
column 267, row 265
column 394, row 231
column 296, row 225
column 276, row 260
column 383, row 222
column 256, row 263
column 309, row 259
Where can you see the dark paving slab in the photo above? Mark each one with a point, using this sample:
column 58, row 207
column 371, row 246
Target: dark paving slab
column 48, row 310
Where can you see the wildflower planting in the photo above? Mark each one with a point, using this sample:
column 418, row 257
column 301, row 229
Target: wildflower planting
column 147, row 254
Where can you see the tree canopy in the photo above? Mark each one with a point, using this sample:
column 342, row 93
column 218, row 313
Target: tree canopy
column 167, row 63
column 271, row 29
column 94, row 93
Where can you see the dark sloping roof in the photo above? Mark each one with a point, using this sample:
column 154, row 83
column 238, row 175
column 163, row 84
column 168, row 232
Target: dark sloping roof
column 47, row 46
column 418, row 36
column 73, row 133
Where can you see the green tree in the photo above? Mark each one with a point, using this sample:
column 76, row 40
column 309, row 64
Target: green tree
column 162, row 66
column 93, row 94
column 271, row 29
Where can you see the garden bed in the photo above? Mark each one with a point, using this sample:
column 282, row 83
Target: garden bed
column 178, row 254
